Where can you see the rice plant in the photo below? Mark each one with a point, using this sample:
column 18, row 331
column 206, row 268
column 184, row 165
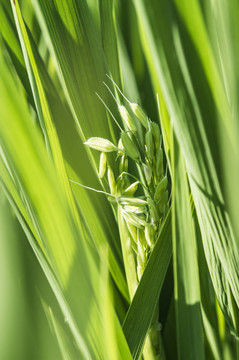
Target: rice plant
column 118, row 172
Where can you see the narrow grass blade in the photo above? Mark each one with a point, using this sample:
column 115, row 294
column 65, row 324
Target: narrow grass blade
column 186, row 274
column 8, row 33
column 166, row 128
column 211, row 317
column 109, row 38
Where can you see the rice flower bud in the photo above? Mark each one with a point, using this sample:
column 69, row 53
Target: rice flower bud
column 162, row 202
column 121, row 184
column 159, row 163
column 133, row 231
column 140, row 114
column 132, row 201
column 112, row 199
column 153, row 210
column 130, row 147
column 137, row 220
column 120, row 146
column 133, row 245
column 149, row 144
column 156, row 135
column 131, row 189
column 140, row 271
column 100, row 144
column 149, row 235
column 123, row 166
column 147, row 173
column 154, row 334
column 111, row 181
column 127, row 119
column 140, row 261
column 142, row 240
column 160, row 188
column 102, row 166
column 141, row 252
column 134, row 209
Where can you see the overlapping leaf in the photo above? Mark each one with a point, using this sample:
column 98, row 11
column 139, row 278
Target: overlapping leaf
column 180, row 69
column 186, row 274
column 70, row 268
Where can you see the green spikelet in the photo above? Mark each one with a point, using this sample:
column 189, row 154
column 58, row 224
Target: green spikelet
column 156, row 135
column 102, row 166
column 140, row 114
column 130, row 147
column 160, row 188
column 131, row 189
column 111, row 181
column 100, row 144
column 149, row 145
column 127, row 119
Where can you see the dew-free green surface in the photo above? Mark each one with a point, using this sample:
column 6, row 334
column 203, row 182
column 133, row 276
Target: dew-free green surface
column 180, row 61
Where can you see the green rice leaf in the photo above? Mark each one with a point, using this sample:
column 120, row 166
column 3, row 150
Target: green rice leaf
column 186, row 274
column 141, row 311
column 13, row 309
column 75, row 45
column 109, row 38
column 210, row 317
column 44, row 109
column 113, row 339
column 176, row 64
column 8, row 33
column 67, row 349
column 165, row 127
column 54, row 116
column 43, row 193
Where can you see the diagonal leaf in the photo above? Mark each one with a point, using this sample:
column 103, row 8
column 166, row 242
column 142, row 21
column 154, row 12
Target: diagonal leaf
column 54, row 116
column 42, row 190
column 67, row 349
column 43, row 108
column 141, row 311
column 171, row 55
column 75, row 46
column 9, row 35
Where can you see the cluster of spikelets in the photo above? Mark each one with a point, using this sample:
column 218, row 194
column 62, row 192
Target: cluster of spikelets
column 144, row 213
